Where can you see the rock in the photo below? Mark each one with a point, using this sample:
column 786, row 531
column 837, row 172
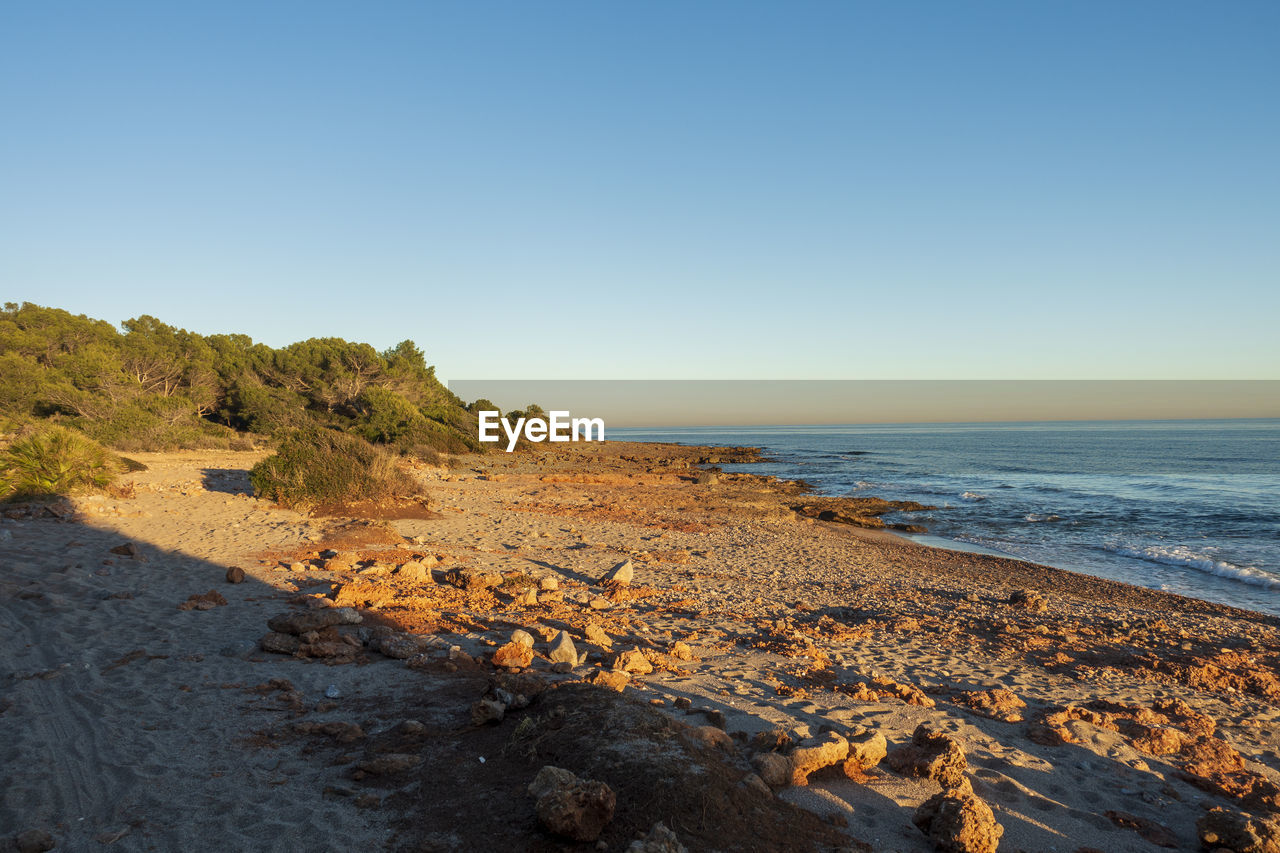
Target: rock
column 612, row 680
column 208, row 601
column 472, row 578
column 1028, row 599
column 959, row 823
column 297, row 567
column 400, row 646
column 620, row 575
column 705, row 478
column 522, row 637
column 235, row 574
column 548, row 584
column 128, row 549
column 562, row 650
column 1159, row 740
column 336, row 651
column 281, row 644
column 753, row 782
column 659, row 840
column 363, row 593
column 931, row 755
column 595, row 634
column 390, row 763
column 1226, row 830
column 865, row 751
column 599, row 602
column 550, row 778
column 774, row 768
column 683, row 703
column 35, row 840
column 313, row 620
column 681, row 651
column 487, row 711
column 997, row 704
column 527, row 598
column 514, row 655
column 578, row 811
column 714, row 716
column 824, row 751
column 714, row 738
column 633, row 661
column 414, row 572
column 338, row 563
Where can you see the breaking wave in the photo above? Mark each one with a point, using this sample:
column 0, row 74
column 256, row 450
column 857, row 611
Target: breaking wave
column 1180, row 555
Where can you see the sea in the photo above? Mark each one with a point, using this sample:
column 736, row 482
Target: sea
column 1191, row 507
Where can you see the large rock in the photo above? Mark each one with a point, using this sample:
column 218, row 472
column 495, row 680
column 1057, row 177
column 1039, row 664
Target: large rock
column 578, row 811
column 620, row 575
column 1223, row 829
column 931, row 755
column 824, row 751
column 610, row 679
column 959, row 823
column 595, row 634
column 562, row 650
column 549, row 778
column 413, row 572
column 364, row 593
column 713, row 737
column 472, row 578
column 633, row 661
column 487, row 711
column 774, row 768
column 865, row 751
column 513, row 655
column 313, row 620
column 281, row 644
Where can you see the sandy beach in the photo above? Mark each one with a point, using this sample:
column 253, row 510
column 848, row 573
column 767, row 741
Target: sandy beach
column 752, row 676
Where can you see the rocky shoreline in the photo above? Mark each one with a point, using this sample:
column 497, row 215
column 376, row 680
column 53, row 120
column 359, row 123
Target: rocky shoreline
column 610, row 647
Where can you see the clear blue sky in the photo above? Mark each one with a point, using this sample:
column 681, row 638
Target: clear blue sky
column 661, row 189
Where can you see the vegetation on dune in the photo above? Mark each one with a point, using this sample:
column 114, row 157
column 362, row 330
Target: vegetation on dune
column 49, row 460
column 150, row 386
column 315, row 466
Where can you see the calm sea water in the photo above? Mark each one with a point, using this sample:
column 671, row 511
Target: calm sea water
column 1191, row 507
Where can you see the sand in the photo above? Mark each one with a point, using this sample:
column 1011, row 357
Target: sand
column 128, row 722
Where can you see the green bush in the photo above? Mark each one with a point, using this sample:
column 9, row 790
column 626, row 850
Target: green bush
column 386, row 417
column 53, row 460
column 315, row 467
column 158, row 425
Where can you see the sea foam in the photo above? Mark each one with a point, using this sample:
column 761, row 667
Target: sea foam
column 1180, row 555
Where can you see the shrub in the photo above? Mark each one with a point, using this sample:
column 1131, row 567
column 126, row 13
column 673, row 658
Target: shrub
column 387, row 417
column 315, row 467
column 53, row 460
column 156, row 425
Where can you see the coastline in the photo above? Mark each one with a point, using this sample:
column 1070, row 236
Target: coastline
column 1089, row 713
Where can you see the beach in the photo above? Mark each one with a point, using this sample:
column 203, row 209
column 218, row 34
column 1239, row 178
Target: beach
column 764, row 670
